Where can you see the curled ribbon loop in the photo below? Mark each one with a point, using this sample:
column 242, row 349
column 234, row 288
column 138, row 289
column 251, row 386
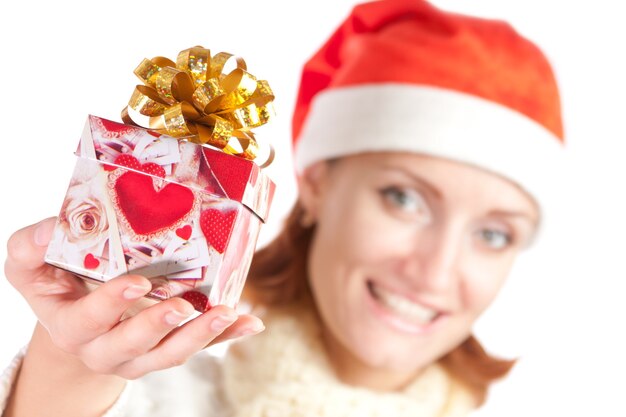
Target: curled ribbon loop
column 193, row 98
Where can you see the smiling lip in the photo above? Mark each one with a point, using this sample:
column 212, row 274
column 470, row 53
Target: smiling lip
column 400, row 312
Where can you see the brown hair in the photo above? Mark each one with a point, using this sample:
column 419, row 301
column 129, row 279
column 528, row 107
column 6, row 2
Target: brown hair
column 278, row 277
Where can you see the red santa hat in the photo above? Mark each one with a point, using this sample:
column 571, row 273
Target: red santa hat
column 402, row 75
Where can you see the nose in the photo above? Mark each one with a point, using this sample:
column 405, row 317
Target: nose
column 434, row 265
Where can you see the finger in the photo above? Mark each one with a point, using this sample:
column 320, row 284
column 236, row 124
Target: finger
column 79, row 321
column 181, row 343
column 137, row 335
column 246, row 325
column 25, row 252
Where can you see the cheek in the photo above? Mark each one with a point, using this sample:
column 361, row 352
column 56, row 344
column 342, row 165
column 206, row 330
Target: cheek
column 482, row 283
column 353, row 239
column 358, row 231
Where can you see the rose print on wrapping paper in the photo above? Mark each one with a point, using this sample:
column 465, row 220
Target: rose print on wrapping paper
column 83, row 219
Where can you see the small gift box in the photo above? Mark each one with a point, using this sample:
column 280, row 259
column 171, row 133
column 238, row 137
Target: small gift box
column 183, row 214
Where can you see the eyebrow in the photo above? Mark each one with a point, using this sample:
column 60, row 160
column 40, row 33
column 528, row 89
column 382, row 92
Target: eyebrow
column 505, row 213
column 430, row 188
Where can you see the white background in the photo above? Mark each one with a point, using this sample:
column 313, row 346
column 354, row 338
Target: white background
column 561, row 312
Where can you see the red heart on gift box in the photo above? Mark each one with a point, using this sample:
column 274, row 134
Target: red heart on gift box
column 133, row 163
column 147, row 209
column 198, row 300
column 231, row 172
column 90, row 261
column 184, row 232
column 216, row 226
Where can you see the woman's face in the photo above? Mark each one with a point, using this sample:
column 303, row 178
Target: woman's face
column 408, row 251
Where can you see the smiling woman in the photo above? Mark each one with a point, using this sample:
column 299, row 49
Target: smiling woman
column 408, row 250
column 414, row 133
column 424, row 146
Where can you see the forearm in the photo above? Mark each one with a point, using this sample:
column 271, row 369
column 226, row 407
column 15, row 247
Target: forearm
column 54, row 383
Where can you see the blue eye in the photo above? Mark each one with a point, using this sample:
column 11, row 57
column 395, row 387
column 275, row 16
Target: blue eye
column 495, row 239
column 407, row 200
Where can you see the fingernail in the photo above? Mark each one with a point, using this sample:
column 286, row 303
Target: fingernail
column 222, row 321
column 252, row 329
column 176, row 317
column 135, row 291
column 43, row 232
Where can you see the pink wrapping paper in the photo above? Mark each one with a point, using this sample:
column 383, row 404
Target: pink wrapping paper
column 185, row 216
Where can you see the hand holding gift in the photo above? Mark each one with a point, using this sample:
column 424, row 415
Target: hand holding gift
column 87, row 324
column 145, row 214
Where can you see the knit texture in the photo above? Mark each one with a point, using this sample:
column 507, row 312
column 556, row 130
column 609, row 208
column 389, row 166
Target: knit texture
column 285, row 372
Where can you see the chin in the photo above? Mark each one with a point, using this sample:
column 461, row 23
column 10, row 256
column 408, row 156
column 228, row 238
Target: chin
column 385, row 343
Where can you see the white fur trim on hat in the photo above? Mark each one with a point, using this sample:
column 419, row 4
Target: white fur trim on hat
column 433, row 121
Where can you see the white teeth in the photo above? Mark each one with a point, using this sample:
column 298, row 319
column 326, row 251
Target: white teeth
column 400, row 305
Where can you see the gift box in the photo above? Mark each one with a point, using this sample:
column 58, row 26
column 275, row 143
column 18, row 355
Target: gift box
column 182, row 214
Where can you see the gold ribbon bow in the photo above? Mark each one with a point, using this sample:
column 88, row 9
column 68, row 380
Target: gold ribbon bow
column 194, row 99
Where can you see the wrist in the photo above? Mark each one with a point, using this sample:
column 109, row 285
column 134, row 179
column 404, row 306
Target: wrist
column 60, row 380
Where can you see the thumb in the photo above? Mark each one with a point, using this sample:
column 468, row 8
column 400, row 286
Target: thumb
column 26, row 248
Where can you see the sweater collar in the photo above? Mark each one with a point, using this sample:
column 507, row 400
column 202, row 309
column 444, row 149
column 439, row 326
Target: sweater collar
column 285, row 372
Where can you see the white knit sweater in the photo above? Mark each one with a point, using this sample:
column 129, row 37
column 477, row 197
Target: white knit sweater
column 281, row 372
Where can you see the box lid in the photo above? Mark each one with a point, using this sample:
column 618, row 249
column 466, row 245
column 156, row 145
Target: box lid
column 192, row 165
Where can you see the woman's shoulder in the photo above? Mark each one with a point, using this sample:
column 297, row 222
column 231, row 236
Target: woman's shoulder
column 192, row 389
